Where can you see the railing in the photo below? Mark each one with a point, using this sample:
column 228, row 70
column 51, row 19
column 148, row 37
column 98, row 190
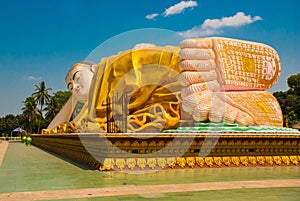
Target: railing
column 10, row 138
column 117, row 123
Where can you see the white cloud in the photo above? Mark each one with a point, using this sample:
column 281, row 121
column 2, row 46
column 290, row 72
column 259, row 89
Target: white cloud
column 238, row 19
column 179, row 7
column 213, row 26
column 198, row 32
column 175, row 9
column 151, row 16
column 33, row 78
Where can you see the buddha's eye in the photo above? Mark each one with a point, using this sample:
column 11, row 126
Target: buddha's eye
column 76, row 76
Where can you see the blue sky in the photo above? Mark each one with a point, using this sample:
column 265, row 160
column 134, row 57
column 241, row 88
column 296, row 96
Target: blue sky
column 41, row 40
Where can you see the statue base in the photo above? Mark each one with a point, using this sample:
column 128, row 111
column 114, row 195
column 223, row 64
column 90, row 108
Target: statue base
column 153, row 151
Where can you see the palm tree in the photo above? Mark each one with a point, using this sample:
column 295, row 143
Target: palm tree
column 30, row 112
column 42, row 96
column 52, row 108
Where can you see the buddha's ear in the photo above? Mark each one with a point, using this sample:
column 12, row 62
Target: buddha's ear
column 93, row 68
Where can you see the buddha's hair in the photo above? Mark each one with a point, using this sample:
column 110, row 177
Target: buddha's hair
column 88, row 64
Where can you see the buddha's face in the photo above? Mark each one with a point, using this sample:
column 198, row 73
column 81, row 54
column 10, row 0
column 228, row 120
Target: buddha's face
column 78, row 82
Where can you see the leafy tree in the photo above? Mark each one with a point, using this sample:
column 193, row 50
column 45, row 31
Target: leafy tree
column 21, row 120
column 31, row 118
column 62, row 97
column 294, row 83
column 290, row 117
column 289, row 100
column 51, row 108
column 42, row 96
column 30, row 112
column 54, row 105
column 8, row 123
column 56, row 102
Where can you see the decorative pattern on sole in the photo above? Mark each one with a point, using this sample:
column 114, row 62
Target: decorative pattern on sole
column 241, row 64
column 224, row 80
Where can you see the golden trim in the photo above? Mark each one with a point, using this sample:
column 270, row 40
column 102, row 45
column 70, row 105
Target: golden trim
column 198, row 162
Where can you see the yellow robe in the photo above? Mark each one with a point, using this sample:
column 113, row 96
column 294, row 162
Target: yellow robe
column 148, row 78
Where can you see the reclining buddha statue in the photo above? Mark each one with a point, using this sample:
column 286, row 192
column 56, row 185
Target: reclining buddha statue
column 153, row 89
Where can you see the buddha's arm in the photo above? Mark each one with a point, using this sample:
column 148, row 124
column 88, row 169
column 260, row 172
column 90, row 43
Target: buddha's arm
column 64, row 114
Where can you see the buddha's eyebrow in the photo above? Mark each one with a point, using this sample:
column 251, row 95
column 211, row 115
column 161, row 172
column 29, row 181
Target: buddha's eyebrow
column 73, row 78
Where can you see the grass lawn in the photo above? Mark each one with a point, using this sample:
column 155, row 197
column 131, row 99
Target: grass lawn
column 31, row 169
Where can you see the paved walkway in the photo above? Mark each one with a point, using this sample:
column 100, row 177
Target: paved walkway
column 150, row 189
column 3, row 147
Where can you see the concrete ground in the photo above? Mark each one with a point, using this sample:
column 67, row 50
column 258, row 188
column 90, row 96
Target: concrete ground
column 28, row 173
column 3, row 147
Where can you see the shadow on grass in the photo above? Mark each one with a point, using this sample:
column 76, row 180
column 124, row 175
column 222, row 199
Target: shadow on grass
column 79, row 165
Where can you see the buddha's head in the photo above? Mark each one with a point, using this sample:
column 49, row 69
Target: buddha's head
column 79, row 79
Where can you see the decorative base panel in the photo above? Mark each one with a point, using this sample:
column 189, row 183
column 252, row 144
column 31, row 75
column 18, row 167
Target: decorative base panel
column 198, row 162
column 142, row 151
